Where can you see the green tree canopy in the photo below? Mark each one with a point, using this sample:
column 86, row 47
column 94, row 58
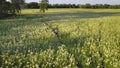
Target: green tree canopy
column 16, row 5
column 3, row 6
column 43, row 5
column 10, row 7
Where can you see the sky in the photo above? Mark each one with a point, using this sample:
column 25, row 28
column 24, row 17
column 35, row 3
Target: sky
column 80, row 1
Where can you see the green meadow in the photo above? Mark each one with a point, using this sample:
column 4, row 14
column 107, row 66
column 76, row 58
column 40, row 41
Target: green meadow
column 86, row 38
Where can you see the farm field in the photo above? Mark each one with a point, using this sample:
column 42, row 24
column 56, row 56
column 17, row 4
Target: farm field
column 86, row 38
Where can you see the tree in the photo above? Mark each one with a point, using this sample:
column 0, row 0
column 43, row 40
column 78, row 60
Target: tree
column 106, row 5
column 88, row 5
column 32, row 5
column 10, row 8
column 2, row 6
column 43, row 5
column 5, row 8
column 16, row 5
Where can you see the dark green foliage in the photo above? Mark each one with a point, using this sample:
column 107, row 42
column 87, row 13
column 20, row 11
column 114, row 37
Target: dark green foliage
column 4, row 7
column 10, row 8
column 16, row 5
column 63, row 6
column 96, row 6
column 32, row 5
column 43, row 5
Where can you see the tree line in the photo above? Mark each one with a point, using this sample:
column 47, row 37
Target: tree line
column 97, row 6
column 35, row 5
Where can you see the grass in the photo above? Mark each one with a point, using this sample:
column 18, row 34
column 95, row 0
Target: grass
column 87, row 38
column 67, row 10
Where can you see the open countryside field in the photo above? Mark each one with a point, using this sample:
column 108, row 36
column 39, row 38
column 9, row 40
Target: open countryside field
column 86, row 38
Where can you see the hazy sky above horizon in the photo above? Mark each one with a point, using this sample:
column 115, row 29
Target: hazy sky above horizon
column 80, row 1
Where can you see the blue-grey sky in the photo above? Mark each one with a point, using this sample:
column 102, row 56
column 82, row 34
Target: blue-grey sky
column 80, row 1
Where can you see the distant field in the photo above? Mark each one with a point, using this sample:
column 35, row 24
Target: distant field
column 69, row 10
column 87, row 38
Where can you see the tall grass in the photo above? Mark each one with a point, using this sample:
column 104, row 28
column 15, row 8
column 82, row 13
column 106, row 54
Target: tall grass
column 89, row 39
